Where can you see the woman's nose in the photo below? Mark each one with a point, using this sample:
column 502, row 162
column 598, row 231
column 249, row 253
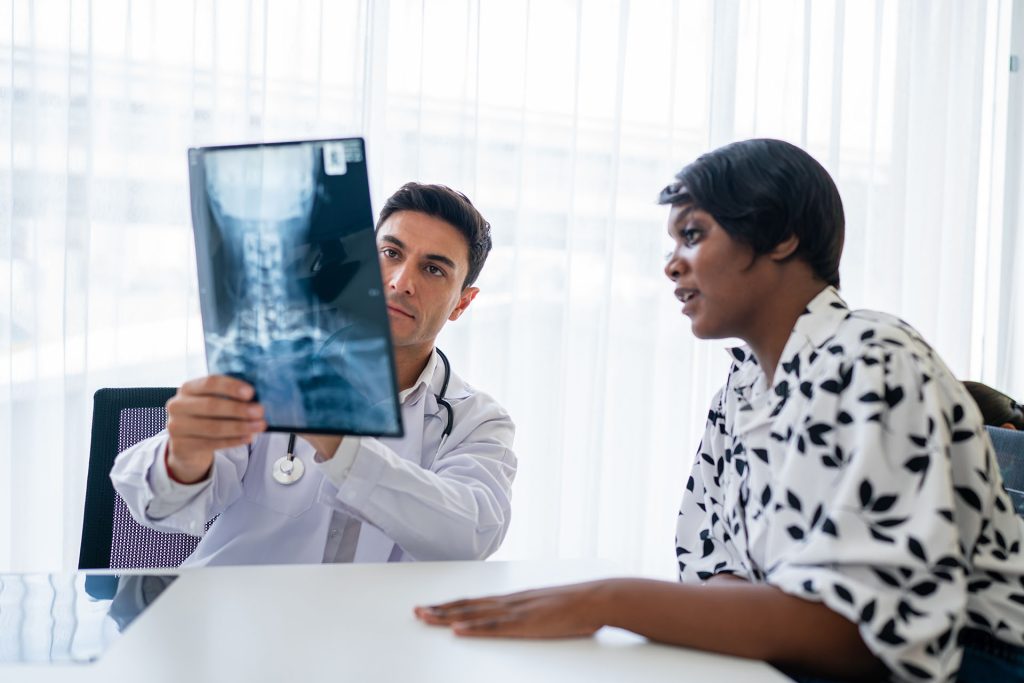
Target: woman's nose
column 674, row 267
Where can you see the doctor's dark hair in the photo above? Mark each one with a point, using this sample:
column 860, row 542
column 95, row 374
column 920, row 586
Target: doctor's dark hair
column 452, row 207
column 762, row 191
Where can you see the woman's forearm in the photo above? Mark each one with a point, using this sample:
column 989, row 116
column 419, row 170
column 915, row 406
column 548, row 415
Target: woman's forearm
column 739, row 618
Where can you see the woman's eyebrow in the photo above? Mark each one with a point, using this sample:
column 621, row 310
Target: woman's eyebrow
column 684, row 215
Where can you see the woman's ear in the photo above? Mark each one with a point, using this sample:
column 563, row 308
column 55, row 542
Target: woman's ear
column 784, row 249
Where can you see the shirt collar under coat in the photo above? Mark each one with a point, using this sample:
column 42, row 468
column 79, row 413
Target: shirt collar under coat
column 430, row 382
column 813, row 329
column 417, row 389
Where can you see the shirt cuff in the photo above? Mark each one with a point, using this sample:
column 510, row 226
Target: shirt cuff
column 337, row 468
column 168, row 495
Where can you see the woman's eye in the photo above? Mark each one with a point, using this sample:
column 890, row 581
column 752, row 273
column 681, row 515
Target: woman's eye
column 691, row 236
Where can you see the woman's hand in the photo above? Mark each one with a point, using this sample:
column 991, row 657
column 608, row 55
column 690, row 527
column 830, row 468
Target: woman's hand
column 728, row 615
column 559, row 612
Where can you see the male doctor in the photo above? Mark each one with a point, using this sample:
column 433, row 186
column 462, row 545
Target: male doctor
column 421, row 497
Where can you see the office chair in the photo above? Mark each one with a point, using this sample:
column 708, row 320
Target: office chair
column 1009, row 445
column 111, row 539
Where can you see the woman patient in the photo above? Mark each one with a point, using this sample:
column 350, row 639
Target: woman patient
column 844, row 517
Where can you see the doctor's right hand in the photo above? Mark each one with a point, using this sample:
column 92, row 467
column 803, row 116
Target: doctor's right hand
column 207, row 414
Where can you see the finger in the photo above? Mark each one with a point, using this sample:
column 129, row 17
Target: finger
column 220, row 385
column 211, row 428
column 213, row 406
column 456, row 607
column 467, row 602
column 503, row 625
column 467, row 613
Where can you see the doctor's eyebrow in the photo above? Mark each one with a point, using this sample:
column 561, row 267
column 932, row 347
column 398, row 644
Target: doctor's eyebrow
column 439, row 258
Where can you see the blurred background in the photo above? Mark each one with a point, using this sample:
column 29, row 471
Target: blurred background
column 562, row 120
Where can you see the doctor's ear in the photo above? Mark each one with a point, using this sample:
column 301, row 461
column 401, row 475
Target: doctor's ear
column 465, row 299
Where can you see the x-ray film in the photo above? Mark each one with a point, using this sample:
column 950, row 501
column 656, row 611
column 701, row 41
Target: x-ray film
column 290, row 286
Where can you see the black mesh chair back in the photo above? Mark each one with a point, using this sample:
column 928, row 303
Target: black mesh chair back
column 111, row 539
column 1009, row 445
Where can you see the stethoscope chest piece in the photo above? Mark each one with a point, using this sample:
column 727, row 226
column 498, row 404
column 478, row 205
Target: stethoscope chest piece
column 288, row 470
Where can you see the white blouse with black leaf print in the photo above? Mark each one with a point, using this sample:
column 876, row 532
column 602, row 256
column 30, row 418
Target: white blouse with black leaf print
column 862, row 478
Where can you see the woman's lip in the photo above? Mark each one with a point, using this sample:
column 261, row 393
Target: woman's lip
column 688, row 302
column 400, row 311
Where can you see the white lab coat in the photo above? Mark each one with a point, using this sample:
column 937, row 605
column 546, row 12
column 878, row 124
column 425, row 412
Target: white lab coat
column 414, row 501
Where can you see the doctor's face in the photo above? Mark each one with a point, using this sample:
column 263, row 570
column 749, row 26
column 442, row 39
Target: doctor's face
column 424, row 262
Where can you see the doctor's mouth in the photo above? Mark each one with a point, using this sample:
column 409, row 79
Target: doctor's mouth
column 395, row 310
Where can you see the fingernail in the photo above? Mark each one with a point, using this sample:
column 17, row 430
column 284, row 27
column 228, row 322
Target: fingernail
column 245, row 392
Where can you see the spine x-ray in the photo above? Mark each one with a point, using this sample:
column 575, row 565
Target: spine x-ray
column 290, row 286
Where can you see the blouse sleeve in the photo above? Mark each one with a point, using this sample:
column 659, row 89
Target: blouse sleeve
column 704, row 544
column 900, row 504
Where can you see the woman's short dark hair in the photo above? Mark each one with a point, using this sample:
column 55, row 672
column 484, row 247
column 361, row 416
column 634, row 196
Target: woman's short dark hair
column 761, row 192
column 996, row 407
column 452, row 207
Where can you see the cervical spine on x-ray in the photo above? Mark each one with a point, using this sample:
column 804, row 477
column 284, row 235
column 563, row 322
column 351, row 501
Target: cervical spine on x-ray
column 262, row 199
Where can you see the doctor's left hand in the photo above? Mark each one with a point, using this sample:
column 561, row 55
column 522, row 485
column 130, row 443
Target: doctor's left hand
column 559, row 612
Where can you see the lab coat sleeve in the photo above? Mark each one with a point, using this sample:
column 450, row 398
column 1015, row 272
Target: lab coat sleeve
column 156, row 502
column 168, row 495
column 458, row 509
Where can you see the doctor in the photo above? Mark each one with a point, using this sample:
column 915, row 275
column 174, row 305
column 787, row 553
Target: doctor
column 439, row 493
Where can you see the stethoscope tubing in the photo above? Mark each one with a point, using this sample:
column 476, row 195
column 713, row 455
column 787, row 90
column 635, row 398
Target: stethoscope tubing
column 287, row 470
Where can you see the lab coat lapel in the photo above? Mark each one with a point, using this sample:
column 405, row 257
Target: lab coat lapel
column 374, row 545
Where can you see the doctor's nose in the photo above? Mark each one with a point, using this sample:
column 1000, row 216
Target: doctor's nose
column 400, row 280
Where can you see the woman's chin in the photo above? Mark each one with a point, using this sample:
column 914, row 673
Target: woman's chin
column 701, row 330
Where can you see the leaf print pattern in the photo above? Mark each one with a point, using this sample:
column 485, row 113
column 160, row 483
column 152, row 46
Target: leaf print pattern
column 863, row 479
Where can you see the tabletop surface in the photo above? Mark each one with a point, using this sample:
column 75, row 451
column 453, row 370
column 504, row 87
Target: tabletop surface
column 355, row 623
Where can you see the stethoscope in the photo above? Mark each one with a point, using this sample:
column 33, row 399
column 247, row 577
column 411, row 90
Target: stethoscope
column 288, row 469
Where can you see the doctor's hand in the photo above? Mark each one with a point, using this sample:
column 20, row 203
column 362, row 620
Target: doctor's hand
column 207, row 414
column 559, row 612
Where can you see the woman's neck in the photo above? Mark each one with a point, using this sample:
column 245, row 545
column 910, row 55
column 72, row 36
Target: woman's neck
column 767, row 340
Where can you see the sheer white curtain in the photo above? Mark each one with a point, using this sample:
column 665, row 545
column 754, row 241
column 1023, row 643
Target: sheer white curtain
column 562, row 119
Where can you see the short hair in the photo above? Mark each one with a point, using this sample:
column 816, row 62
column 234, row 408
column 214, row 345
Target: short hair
column 996, row 407
column 452, row 207
column 761, row 192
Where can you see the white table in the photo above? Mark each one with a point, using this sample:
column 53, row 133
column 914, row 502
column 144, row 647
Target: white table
column 354, row 623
